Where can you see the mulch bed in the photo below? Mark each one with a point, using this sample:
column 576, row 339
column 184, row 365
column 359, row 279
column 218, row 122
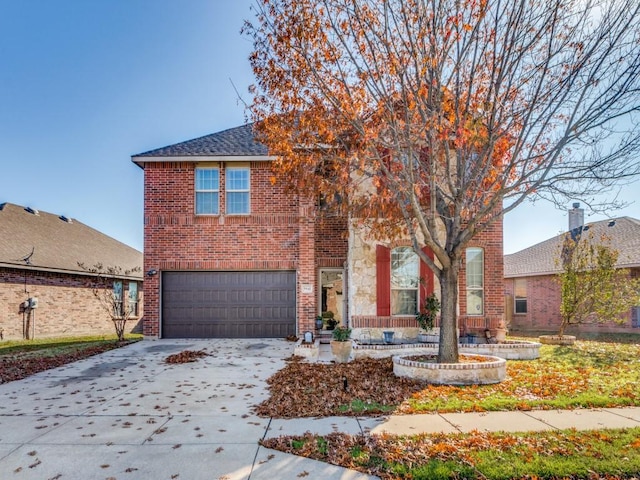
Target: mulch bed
column 316, row 390
column 21, row 365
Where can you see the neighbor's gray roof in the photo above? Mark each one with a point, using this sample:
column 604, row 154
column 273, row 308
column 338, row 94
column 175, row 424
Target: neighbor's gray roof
column 540, row 259
column 234, row 142
column 58, row 244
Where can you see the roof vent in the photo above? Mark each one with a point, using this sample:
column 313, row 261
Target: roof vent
column 65, row 219
column 31, row 210
column 2, row 205
column 612, row 223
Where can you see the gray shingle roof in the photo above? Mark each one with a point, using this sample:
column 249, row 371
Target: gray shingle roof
column 58, row 244
column 540, row 259
column 238, row 141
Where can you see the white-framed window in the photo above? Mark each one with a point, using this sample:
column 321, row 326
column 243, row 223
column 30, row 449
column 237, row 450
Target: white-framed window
column 207, row 191
column 405, row 280
column 133, row 298
column 520, row 295
column 475, row 281
column 237, row 186
column 117, row 298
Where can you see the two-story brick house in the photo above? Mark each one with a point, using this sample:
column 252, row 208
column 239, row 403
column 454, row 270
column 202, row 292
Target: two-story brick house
column 230, row 253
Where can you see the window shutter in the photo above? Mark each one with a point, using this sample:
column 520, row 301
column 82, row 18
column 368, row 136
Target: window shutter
column 427, row 285
column 383, row 280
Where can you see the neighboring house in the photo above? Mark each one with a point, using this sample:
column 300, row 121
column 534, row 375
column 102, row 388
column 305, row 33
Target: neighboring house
column 532, row 292
column 42, row 288
column 230, row 253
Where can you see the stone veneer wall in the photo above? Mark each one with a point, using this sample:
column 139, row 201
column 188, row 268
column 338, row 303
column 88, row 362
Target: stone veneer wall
column 362, row 275
column 66, row 307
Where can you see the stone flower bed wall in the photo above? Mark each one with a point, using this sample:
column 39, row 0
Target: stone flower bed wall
column 510, row 350
column 310, row 351
column 491, row 370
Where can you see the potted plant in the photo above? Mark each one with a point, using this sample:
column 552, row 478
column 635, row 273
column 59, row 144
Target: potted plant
column 319, row 322
column 341, row 344
column 329, row 320
column 426, row 318
column 501, row 332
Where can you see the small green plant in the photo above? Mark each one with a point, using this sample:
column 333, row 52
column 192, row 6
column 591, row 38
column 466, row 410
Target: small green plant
column 323, row 446
column 365, row 407
column 297, row 444
column 427, row 316
column 342, row 334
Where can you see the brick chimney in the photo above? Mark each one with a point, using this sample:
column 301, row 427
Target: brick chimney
column 576, row 217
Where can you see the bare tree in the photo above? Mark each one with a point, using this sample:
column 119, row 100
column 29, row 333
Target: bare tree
column 435, row 118
column 107, row 287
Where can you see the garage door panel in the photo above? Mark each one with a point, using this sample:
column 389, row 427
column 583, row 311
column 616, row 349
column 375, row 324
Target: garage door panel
column 228, row 304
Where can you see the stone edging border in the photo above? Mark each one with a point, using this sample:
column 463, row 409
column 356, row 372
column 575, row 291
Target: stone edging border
column 451, row 366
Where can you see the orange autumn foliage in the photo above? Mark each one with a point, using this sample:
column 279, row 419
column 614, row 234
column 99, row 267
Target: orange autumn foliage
column 431, row 120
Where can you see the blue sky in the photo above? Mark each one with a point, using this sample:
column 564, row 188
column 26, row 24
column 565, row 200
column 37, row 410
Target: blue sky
column 85, row 84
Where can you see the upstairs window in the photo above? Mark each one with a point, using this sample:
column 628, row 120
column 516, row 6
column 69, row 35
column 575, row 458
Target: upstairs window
column 237, row 190
column 475, row 281
column 520, row 295
column 207, row 191
column 404, row 281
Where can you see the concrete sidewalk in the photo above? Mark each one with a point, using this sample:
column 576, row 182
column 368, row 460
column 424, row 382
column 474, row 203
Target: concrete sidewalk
column 588, row 419
column 126, row 414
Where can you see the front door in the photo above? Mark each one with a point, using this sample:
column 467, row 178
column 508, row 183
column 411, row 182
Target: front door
column 331, row 294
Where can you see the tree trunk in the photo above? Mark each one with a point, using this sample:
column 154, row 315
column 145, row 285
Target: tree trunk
column 119, row 325
column 27, row 327
column 563, row 325
column 448, row 349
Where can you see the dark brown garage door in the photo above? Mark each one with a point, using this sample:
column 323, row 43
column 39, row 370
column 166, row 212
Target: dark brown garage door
column 228, row 304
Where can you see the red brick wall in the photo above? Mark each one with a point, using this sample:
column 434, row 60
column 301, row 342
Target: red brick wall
column 491, row 241
column 543, row 304
column 543, row 308
column 331, row 242
column 66, row 307
column 280, row 233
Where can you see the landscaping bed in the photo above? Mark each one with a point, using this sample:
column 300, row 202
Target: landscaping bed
column 549, row 455
column 20, row 359
column 589, row 374
column 470, row 369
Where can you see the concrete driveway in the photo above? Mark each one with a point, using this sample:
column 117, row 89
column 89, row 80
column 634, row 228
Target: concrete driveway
column 126, row 414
